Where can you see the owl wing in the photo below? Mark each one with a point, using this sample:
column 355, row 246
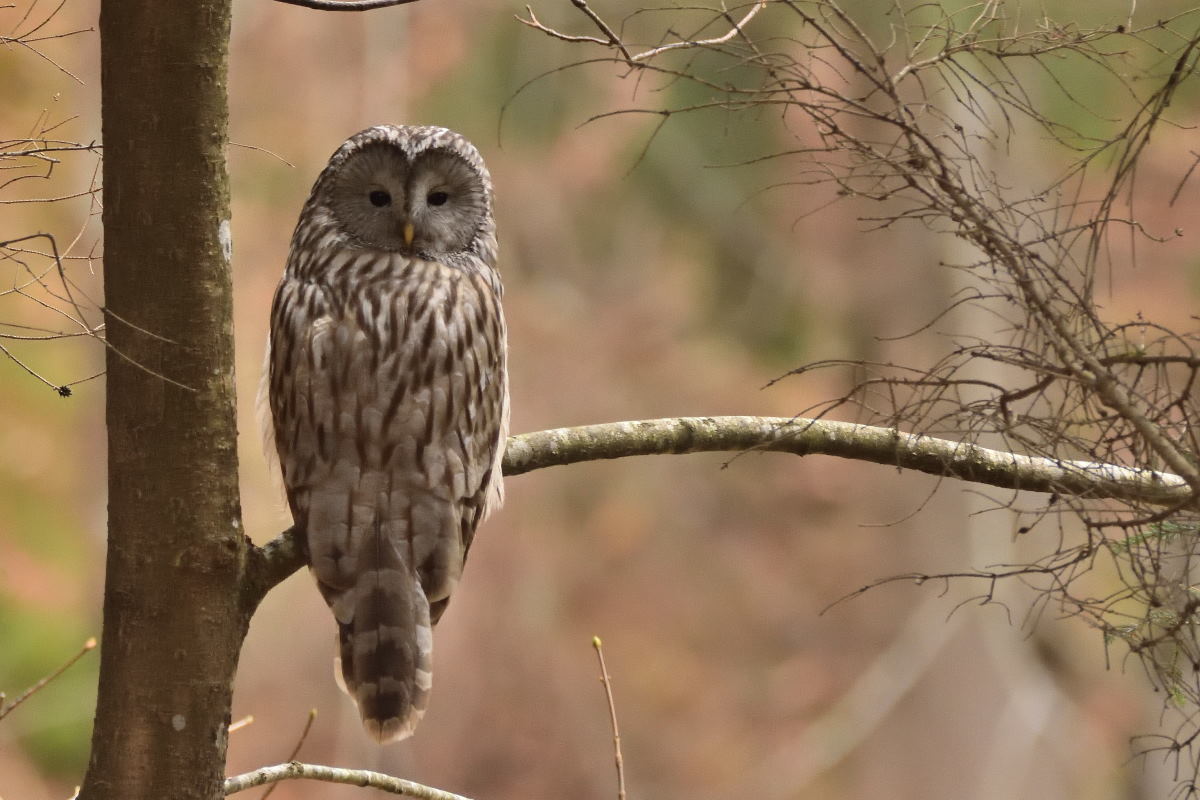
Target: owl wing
column 472, row 326
column 388, row 407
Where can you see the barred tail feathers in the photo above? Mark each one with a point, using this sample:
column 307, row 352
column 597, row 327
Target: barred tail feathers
column 386, row 651
column 385, row 637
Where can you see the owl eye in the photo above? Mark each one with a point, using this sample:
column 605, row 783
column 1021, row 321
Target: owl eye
column 437, row 198
column 380, row 198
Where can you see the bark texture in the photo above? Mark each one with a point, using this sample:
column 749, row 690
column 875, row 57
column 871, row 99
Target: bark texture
column 173, row 620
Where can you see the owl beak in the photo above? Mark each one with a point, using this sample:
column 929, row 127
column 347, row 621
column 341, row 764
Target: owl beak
column 408, row 234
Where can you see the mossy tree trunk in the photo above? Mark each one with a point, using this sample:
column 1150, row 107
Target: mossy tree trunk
column 173, row 620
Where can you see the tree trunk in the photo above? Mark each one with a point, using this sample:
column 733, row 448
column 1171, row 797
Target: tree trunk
column 173, row 620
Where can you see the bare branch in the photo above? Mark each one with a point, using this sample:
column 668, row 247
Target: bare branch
column 734, row 30
column 612, row 40
column 535, row 23
column 283, row 555
column 355, row 777
column 802, row 436
column 345, row 5
column 56, row 387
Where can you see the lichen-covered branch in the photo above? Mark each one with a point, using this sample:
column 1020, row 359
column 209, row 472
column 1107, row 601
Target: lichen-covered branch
column 355, row 777
column 800, row 436
column 679, row 435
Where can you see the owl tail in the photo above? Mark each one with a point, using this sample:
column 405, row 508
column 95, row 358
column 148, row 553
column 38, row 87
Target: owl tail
column 386, row 648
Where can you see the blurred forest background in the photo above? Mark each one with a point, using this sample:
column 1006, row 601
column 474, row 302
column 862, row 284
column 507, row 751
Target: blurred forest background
column 637, row 287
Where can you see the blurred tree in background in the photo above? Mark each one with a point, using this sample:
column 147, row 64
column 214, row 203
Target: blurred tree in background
column 665, row 269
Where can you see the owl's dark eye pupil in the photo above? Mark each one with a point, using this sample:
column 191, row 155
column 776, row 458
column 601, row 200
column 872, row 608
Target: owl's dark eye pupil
column 380, row 198
column 437, row 198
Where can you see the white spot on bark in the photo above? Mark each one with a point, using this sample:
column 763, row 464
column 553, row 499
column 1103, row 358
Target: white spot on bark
column 225, row 237
column 179, row 722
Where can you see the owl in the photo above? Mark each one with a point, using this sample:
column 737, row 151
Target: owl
column 388, row 395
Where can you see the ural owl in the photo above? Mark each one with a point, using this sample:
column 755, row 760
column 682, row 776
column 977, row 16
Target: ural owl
column 389, row 398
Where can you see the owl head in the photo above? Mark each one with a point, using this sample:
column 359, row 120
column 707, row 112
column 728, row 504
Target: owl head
column 418, row 190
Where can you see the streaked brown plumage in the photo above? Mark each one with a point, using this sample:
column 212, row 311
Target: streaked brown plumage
column 389, row 398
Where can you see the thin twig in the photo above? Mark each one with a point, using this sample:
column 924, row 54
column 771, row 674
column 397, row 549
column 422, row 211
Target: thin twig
column 8, row 353
column 733, row 31
column 271, row 153
column 5, row 710
column 88, row 193
column 612, row 715
column 312, row 715
column 37, row 151
column 534, row 22
column 612, row 40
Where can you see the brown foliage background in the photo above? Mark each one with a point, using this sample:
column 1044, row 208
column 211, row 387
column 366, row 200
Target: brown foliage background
column 636, row 287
